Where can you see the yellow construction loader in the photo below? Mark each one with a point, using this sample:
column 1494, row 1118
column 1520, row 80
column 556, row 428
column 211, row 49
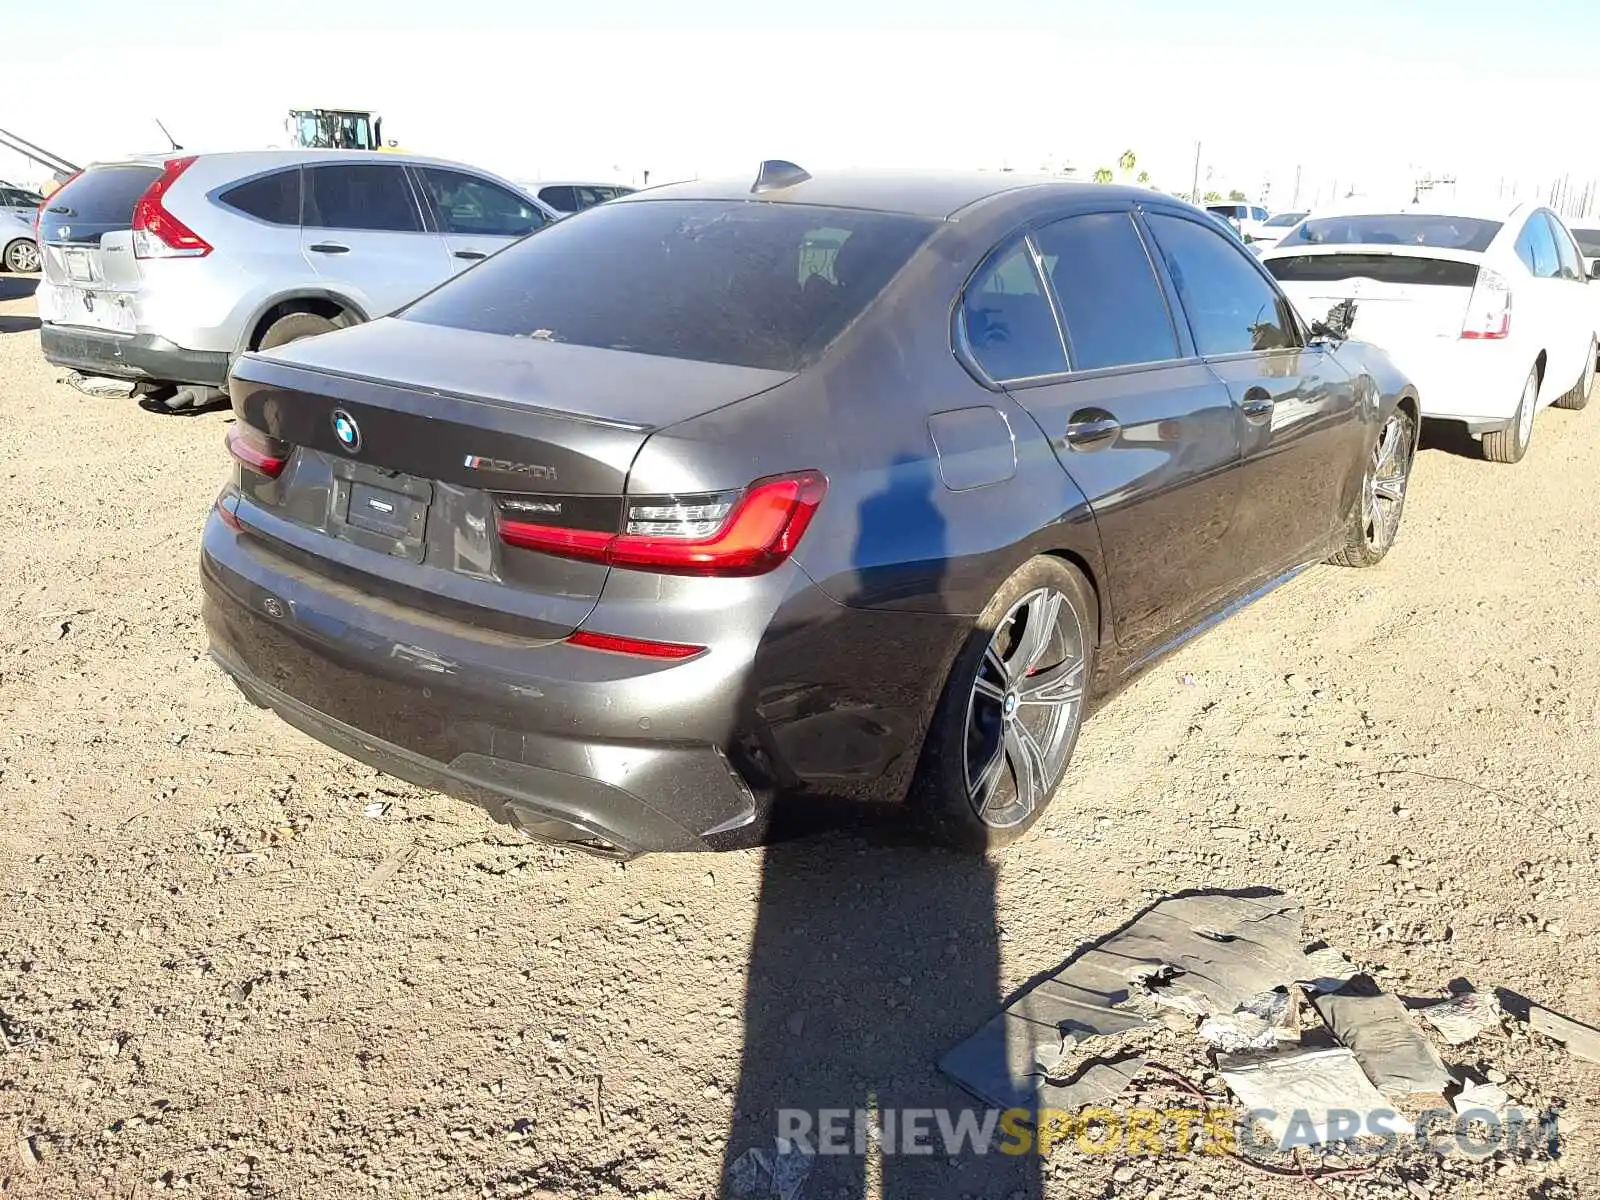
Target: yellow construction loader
column 337, row 129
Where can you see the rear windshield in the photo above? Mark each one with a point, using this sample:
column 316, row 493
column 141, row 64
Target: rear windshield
column 1386, row 268
column 102, row 196
column 747, row 283
column 1396, row 229
column 1588, row 242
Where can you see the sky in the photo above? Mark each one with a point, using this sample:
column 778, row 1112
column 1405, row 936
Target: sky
column 1363, row 95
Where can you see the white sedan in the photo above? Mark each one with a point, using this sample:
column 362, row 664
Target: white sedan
column 1489, row 314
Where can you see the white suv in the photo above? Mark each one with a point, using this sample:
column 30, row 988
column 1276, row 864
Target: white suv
column 162, row 269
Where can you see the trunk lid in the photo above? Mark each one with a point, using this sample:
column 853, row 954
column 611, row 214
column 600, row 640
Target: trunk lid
column 86, row 245
column 411, row 440
column 1400, row 293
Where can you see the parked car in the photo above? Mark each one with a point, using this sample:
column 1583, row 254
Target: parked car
column 1488, row 312
column 163, row 269
column 568, row 198
column 18, row 209
column 816, row 491
column 1271, row 231
column 1588, row 239
column 1247, row 219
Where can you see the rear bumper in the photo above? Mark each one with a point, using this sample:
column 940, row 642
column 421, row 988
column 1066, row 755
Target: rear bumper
column 131, row 356
column 1476, row 383
column 511, row 726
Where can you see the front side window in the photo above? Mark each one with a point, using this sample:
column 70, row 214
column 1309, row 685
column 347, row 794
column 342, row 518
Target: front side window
column 472, row 206
column 1567, row 256
column 755, row 285
column 1231, row 307
column 559, row 198
column 1537, row 249
column 1110, row 298
column 1588, row 242
column 360, row 196
column 1006, row 317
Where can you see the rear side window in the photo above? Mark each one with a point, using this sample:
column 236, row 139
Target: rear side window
column 558, row 198
column 1588, row 242
column 1009, row 325
column 272, row 198
column 469, row 205
column 1386, row 268
column 1230, row 306
column 1537, row 249
column 98, row 201
column 714, row 281
column 1396, row 229
column 360, row 196
column 1110, row 298
column 1285, row 220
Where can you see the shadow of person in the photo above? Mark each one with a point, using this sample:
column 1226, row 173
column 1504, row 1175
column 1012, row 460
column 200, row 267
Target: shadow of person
column 872, row 953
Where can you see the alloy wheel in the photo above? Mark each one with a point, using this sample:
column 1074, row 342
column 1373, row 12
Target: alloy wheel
column 23, row 257
column 1024, row 709
column 1387, row 476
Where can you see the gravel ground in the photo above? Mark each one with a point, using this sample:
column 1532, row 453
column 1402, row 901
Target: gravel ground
column 221, row 974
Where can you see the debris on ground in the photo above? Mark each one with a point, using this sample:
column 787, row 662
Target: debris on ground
column 375, row 809
column 1482, row 1097
column 1260, row 1023
column 1582, row 1041
column 1394, row 1053
column 385, row 870
column 779, row 1174
column 99, row 386
column 1326, row 970
column 1463, row 1017
column 1309, row 1084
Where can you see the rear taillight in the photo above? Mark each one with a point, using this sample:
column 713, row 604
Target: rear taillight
column 641, row 647
column 256, row 450
column 1489, row 311
column 156, row 232
column 718, row 533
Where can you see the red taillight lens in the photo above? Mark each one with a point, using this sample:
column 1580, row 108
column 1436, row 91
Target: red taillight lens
column 156, row 232
column 1489, row 310
column 747, row 533
column 641, row 647
column 256, row 450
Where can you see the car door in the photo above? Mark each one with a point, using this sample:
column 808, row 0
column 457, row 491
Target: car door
column 362, row 231
column 476, row 215
column 1144, row 429
column 1302, row 440
column 1571, row 292
column 1536, row 317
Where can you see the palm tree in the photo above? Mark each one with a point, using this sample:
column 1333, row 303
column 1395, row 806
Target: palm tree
column 1144, row 178
column 1213, row 197
column 1127, row 162
column 1237, row 196
column 1103, row 175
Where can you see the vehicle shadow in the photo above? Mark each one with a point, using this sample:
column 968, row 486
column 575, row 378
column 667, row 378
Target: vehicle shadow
column 17, row 287
column 18, row 324
column 1450, row 437
column 872, row 955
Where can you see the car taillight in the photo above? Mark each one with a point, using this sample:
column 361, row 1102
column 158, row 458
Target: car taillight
column 717, row 533
column 1489, row 311
column 156, row 232
column 642, row 647
column 256, row 450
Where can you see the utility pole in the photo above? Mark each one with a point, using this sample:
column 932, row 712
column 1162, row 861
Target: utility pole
column 1194, row 190
column 1294, row 204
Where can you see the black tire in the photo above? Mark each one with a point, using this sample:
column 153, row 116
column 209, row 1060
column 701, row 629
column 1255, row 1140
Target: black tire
column 1374, row 522
column 22, row 256
column 1578, row 398
column 942, row 793
column 1508, row 445
column 294, row 327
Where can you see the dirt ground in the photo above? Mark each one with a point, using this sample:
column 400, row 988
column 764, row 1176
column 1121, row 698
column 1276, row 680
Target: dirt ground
column 235, row 963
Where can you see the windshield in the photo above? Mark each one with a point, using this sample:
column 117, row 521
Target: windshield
column 1396, row 229
column 1284, row 220
column 750, row 284
column 326, row 130
column 1588, row 242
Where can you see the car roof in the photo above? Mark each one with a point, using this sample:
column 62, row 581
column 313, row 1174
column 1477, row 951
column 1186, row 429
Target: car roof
column 937, row 194
column 248, row 161
column 1497, row 211
column 544, row 183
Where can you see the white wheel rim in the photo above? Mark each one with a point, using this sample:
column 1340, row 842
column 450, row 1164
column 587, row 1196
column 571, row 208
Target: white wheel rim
column 25, row 257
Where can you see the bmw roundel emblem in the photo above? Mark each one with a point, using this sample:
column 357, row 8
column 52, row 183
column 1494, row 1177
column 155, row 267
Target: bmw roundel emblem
column 346, row 430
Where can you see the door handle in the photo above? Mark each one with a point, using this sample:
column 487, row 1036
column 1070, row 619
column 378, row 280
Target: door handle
column 1257, row 406
column 472, row 255
column 1092, row 428
column 329, row 248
